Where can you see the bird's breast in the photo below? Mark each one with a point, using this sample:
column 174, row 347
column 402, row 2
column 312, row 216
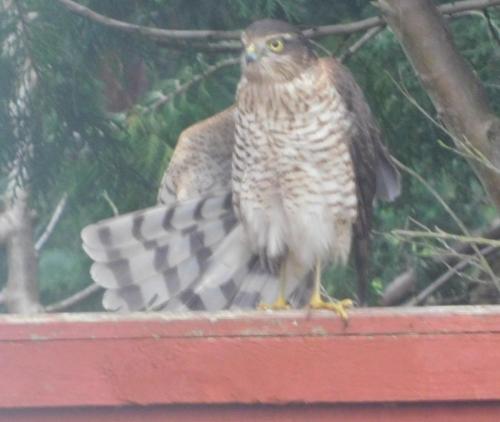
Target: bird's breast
column 292, row 171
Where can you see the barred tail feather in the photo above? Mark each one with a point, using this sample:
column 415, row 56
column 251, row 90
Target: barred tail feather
column 222, row 278
column 154, row 292
column 189, row 255
column 260, row 286
column 166, row 253
column 149, row 224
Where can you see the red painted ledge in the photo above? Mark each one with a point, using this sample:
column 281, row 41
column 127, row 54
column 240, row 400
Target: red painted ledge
column 392, row 364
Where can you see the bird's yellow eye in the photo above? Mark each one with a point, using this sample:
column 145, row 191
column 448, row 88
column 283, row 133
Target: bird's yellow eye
column 276, row 45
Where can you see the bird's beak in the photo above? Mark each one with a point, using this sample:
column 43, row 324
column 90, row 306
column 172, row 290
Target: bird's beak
column 251, row 54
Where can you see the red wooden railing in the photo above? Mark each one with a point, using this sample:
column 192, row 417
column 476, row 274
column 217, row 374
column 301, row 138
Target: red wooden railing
column 385, row 365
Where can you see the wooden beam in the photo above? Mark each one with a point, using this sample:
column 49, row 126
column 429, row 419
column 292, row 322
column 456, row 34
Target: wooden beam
column 259, row 361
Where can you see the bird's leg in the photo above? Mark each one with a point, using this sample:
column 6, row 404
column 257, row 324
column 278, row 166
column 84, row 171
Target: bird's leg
column 339, row 307
column 280, row 302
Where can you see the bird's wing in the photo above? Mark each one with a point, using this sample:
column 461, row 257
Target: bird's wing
column 376, row 174
column 188, row 252
column 374, row 167
column 201, row 162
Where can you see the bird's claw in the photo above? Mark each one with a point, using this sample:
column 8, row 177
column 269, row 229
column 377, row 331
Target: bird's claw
column 339, row 307
column 280, row 305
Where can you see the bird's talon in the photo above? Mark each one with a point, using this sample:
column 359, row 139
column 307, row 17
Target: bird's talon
column 339, row 307
column 279, row 305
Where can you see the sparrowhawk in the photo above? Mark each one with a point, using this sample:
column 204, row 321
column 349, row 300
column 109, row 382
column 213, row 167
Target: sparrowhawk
column 259, row 198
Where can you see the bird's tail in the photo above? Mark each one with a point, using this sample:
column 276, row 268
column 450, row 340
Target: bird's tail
column 187, row 255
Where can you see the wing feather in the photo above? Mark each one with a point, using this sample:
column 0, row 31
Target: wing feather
column 201, row 162
column 376, row 174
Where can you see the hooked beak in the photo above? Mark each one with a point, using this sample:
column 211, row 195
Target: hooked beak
column 251, row 54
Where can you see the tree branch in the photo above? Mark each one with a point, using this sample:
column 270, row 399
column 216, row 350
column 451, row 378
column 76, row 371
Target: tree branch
column 456, row 92
column 455, row 7
column 399, row 288
column 211, row 47
column 455, row 218
column 448, row 236
column 52, row 223
column 208, row 35
column 367, row 36
column 157, row 33
column 165, row 98
column 74, row 299
column 7, row 225
column 448, row 275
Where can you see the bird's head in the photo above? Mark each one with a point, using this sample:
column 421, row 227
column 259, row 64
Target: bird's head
column 274, row 51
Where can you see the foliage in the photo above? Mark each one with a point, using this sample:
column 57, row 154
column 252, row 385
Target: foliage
column 85, row 71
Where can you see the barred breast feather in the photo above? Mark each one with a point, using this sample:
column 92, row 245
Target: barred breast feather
column 293, row 178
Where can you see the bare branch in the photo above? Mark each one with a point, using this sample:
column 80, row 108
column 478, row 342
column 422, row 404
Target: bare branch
column 449, row 236
column 344, row 28
column 455, row 218
column 398, row 288
column 205, row 36
column 457, row 259
column 455, row 7
column 456, row 92
column 493, row 232
column 211, row 47
column 74, row 299
column 165, row 98
column 110, row 202
column 157, row 33
column 56, row 216
column 448, row 275
column 367, row 36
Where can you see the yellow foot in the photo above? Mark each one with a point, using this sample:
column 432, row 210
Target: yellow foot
column 339, row 307
column 279, row 305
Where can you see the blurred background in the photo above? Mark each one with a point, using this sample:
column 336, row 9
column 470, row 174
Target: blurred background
column 89, row 117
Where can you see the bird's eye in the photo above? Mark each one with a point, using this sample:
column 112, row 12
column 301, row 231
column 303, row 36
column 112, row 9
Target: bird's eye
column 276, row 45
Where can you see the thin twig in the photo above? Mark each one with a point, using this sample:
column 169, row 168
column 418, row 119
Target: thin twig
column 459, row 254
column 469, row 150
column 208, row 35
column 367, row 36
column 74, row 299
column 165, row 98
column 439, row 282
column 110, row 202
column 56, row 216
column 211, row 47
column 455, row 218
column 449, row 236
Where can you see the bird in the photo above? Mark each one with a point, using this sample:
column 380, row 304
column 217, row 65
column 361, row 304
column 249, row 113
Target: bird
column 258, row 199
